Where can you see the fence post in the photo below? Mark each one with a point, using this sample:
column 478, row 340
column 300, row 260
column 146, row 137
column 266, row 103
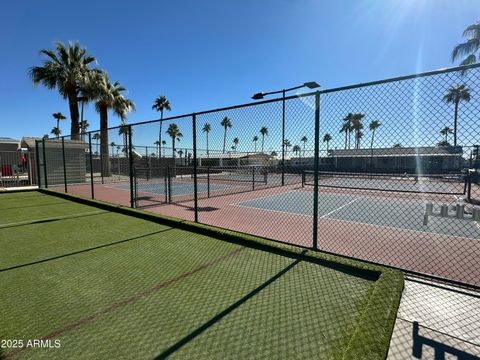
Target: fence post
column 92, row 188
column 64, row 165
column 195, row 188
column 37, row 157
column 283, row 137
column 315, row 170
column 44, row 163
column 130, row 165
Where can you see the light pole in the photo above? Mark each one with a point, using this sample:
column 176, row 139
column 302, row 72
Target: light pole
column 261, row 95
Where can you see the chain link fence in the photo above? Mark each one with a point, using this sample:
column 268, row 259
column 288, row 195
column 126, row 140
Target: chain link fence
column 384, row 172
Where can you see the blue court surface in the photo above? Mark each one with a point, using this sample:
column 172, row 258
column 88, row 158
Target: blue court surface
column 380, row 211
column 177, row 188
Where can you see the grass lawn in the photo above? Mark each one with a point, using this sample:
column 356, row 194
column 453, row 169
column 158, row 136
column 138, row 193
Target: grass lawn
column 110, row 282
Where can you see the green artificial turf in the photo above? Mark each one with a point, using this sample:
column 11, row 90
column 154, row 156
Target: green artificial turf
column 111, row 282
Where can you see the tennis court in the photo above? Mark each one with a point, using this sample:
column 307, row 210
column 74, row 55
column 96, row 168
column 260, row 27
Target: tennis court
column 118, row 283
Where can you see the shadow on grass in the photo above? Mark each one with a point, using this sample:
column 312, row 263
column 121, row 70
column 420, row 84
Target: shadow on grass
column 47, row 220
column 439, row 348
column 33, row 206
column 85, row 250
column 165, row 354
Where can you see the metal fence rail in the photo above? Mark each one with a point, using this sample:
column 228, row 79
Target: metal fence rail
column 350, row 171
column 17, row 168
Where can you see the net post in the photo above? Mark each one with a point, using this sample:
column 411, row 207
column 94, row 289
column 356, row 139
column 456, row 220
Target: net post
column 64, row 165
column 195, row 189
column 130, row 165
column 92, row 188
column 315, row 170
column 37, row 156
column 44, row 163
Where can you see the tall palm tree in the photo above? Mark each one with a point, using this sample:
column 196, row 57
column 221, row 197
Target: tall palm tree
column 373, row 126
column 235, row 144
column 123, row 132
column 96, row 137
column 58, row 116
column 455, row 95
column 107, row 96
column 180, row 153
column 160, row 104
column 445, row 132
column 65, row 69
column 163, row 144
column 286, row 145
column 348, row 127
column 157, row 144
column 263, row 132
column 56, row 131
column 327, row 138
column 206, row 129
column 470, row 47
column 357, row 126
column 304, row 139
column 255, row 139
column 174, row 132
column 84, row 125
column 297, row 149
column 113, row 146
column 226, row 123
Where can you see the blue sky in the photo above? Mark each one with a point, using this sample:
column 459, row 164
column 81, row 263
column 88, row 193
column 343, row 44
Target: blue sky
column 209, row 54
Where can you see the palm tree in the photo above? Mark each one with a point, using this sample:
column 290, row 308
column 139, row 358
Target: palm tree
column 123, row 132
column 297, row 149
column 226, row 123
column 397, row 145
column 348, row 128
column 286, row 145
column 206, row 129
column 56, row 131
column 445, row 131
column 235, row 144
column 373, row 126
column 263, row 131
column 456, row 94
column 157, row 144
column 327, row 138
column 58, row 116
column 469, row 47
column 357, row 126
column 118, row 156
column 96, row 137
column 174, row 132
column 304, row 139
column 273, row 153
column 45, row 136
column 160, row 104
column 84, row 125
column 65, row 69
column 113, row 145
column 255, row 139
column 180, row 153
column 163, row 144
column 107, row 96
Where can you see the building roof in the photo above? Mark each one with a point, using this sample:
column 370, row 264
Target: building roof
column 400, row 151
column 7, row 140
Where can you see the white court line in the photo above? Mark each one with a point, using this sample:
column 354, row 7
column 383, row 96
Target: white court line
column 341, row 207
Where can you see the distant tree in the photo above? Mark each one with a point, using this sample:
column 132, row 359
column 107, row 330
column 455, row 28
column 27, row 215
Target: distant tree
column 56, row 131
column 45, row 136
column 263, row 132
column 226, row 123
column 157, row 145
column 358, row 138
column 163, row 144
column 297, row 149
column 161, row 104
column 180, row 153
column 273, row 153
column 113, row 146
column 84, row 125
column 443, row 143
column 357, row 127
column 470, row 47
column 206, row 129
column 304, row 139
column 327, row 138
column 445, row 132
column 374, row 125
column 96, row 137
column 286, row 145
column 347, row 127
column 397, row 145
column 455, row 95
column 174, row 132
column 123, row 132
column 235, row 144
column 255, row 139
column 58, row 116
